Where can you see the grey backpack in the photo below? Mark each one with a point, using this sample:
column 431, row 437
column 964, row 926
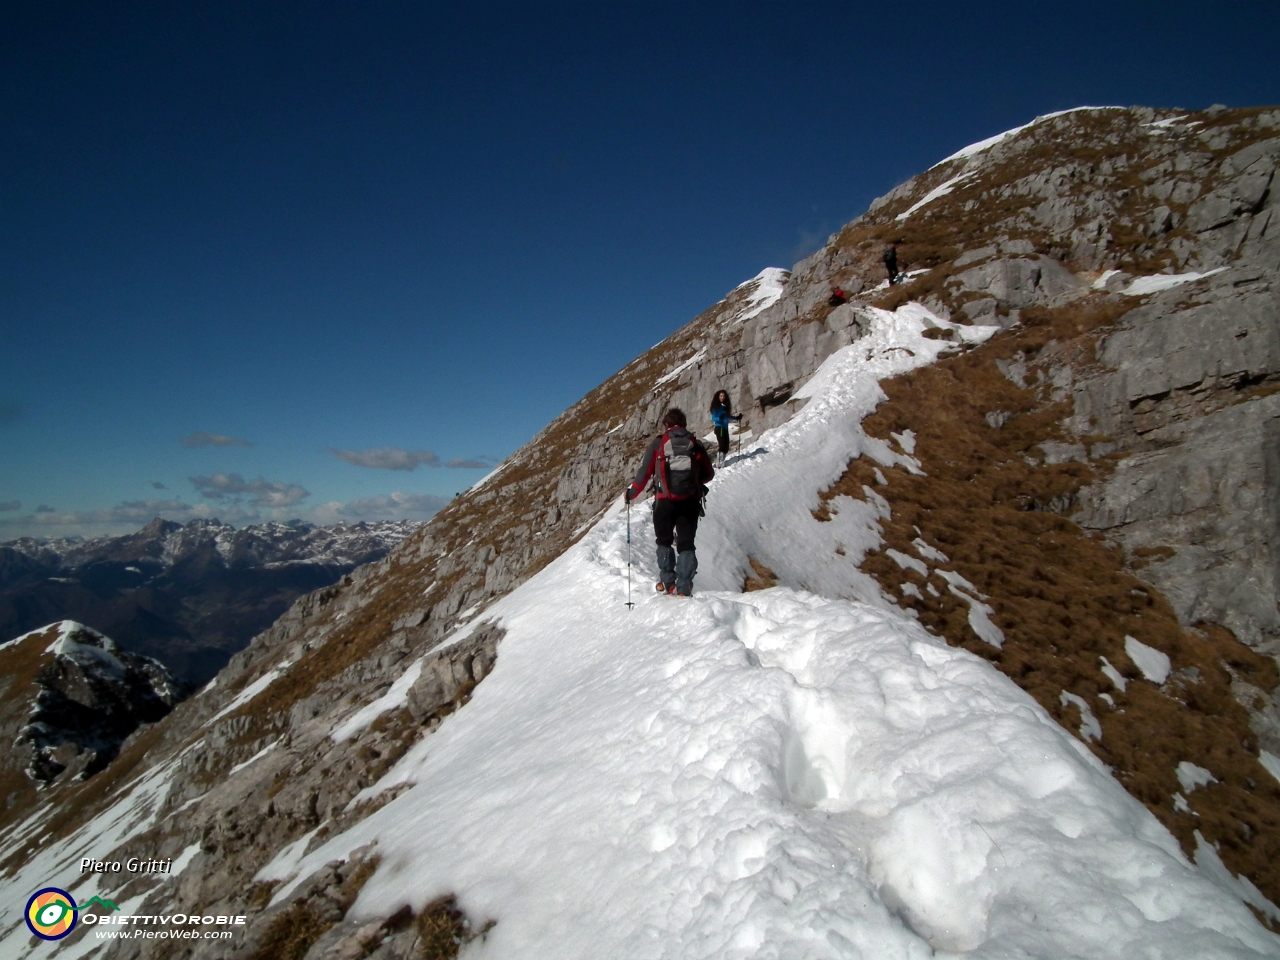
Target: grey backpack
column 677, row 476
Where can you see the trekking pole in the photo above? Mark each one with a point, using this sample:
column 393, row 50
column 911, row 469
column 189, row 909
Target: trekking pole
column 629, row 603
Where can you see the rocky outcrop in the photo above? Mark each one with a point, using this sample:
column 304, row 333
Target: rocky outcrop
column 1184, row 392
column 83, row 697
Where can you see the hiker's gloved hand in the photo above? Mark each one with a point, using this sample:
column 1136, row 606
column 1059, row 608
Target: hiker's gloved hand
column 628, row 495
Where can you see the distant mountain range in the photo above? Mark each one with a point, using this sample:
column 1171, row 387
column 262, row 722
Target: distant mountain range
column 188, row 595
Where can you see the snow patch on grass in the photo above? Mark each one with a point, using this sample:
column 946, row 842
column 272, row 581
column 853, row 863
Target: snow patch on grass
column 1090, row 728
column 1191, row 776
column 1114, row 675
column 1155, row 666
column 1271, row 762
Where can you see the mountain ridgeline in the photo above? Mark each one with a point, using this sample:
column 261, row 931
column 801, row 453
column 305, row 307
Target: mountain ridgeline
column 188, row 595
column 1102, row 471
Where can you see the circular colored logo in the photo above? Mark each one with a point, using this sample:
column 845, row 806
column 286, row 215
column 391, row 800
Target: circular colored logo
column 51, row 913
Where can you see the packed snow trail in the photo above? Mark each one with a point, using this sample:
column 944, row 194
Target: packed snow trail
column 774, row 774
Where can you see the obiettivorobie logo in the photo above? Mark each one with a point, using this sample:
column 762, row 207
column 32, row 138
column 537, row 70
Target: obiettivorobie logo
column 52, row 913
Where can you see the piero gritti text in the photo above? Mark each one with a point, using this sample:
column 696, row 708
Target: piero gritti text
column 132, row 865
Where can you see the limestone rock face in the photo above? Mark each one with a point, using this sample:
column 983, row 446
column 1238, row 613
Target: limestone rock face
column 1110, row 210
column 1021, row 282
column 1184, row 388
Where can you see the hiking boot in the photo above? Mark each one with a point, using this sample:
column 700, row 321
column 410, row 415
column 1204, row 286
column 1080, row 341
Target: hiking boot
column 671, row 590
column 662, row 587
column 686, row 567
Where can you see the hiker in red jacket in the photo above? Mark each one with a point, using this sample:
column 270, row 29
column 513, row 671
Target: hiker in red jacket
column 680, row 469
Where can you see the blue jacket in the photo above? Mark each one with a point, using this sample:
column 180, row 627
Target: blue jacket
column 720, row 416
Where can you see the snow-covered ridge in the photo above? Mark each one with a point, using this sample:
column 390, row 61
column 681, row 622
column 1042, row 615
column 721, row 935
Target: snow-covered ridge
column 87, row 647
column 976, row 149
column 702, row 794
column 981, row 146
column 792, row 772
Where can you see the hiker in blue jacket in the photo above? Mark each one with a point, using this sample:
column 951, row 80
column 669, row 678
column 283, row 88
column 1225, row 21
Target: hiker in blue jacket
column 721, row 414
column 680, row 469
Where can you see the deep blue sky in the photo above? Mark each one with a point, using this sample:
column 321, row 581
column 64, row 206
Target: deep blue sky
column 428, row 227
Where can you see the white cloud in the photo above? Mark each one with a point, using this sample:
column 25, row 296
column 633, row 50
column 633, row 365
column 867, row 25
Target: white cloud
column 388, row 458
column 394, row 506
column 261, row 493
column 201, row 439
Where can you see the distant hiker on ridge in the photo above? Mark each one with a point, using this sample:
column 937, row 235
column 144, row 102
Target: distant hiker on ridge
column 680, row 469
column 891, row 262
column 721, row 414
column 837, row 297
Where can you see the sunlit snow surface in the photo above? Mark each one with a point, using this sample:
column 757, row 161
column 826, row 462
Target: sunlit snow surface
column 769, row 284
column 1163, row 281
column 57, row 863
column 772, row 774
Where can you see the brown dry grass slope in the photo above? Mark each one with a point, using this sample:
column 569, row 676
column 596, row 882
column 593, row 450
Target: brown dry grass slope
column 1064, row 599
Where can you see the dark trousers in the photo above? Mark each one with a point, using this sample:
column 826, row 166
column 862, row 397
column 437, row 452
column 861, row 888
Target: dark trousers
column 722, row 436
column 678, row 516
column 676, row 520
